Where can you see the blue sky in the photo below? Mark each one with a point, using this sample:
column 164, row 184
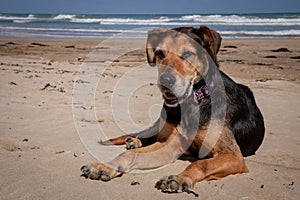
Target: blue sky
column 148, row 6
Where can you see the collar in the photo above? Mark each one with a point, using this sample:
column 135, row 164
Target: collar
column 201, row 90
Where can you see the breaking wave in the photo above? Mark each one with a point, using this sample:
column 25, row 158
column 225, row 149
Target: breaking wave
column 255, row 25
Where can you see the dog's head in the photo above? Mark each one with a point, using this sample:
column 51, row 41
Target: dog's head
column 181, row 59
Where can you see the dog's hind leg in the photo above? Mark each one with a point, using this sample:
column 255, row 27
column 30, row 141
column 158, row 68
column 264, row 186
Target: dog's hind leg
column 226, row 159
column 207, row 169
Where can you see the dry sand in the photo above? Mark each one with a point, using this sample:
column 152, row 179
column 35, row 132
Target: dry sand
column 41, row 150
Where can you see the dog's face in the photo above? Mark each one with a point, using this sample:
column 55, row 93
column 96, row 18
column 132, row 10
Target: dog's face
column 181, row 59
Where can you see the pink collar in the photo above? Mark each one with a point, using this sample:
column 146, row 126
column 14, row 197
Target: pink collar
column 202, row 91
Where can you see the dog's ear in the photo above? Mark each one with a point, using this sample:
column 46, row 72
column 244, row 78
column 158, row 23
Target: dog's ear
column 211, row 41
column 154, row 38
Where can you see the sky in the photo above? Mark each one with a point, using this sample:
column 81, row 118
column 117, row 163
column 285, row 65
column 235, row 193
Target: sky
column 148, row 6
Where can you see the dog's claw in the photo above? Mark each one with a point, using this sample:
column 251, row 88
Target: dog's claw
column 89, row 172
column 168, row 184
column 161, row 185
column 132, row 143
column 171, row 184
column 98, row 171
column 84, row 169
column 186, row 189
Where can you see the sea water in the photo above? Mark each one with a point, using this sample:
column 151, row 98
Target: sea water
column 136, row 26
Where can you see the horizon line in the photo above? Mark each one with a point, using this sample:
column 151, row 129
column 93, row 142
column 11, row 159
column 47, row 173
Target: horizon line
column 217, row 13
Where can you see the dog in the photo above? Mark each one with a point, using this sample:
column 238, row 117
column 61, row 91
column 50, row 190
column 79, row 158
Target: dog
column 206, row 116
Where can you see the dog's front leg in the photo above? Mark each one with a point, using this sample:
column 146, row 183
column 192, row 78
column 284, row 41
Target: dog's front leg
column 149, row 157
column 137, row 140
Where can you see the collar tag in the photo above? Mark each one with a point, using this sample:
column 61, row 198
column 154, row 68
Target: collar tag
column 201, row 93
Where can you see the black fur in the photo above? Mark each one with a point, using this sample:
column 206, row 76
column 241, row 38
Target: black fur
column 241, row 113
column 246, row 120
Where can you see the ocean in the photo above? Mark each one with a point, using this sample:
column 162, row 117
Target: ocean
column 136, row 26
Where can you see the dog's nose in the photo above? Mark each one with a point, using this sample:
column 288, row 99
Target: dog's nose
column 167, row 80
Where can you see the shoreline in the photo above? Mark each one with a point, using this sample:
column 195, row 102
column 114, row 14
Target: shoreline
column 133, row 26
column 130, row 38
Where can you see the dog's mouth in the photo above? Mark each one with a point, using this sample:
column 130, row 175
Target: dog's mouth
column 170, row 99
column 173, row 100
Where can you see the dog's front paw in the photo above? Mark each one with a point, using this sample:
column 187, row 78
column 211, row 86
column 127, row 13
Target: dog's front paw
column 174, row 184
column 132, row 143
column 169, row 184
column 98, row 171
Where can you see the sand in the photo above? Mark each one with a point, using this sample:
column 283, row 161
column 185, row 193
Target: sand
column 45, row 120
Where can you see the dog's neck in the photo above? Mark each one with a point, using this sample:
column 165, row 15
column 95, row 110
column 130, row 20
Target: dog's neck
column 201, row 90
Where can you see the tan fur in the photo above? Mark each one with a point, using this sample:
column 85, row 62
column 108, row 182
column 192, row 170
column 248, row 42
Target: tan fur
column 224, row 156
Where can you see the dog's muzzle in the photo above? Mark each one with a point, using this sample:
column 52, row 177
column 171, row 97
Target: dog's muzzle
column 167, row 82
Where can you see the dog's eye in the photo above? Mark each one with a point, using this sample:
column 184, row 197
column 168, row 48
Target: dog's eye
column 186, row 54
column 160, row 54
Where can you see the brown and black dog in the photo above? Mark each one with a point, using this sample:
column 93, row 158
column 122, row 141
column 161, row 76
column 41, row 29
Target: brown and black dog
column 206, row 115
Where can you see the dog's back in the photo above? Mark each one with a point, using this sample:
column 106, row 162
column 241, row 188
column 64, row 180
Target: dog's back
column 247, row 122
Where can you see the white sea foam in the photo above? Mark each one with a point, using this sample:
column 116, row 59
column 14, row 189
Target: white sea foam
column 141, row 33
column 62, row 16
column 73, row 30
column 186, row 20
column 291, row 32
column 86, row 20
column 241, row 20
column 18, row 19
column 276, row 25
column 5, row 17
column 122, row 21
column 31, row 16
column 231, row 20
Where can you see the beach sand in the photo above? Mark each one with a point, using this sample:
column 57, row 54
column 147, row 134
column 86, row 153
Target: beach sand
column 41, row 148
